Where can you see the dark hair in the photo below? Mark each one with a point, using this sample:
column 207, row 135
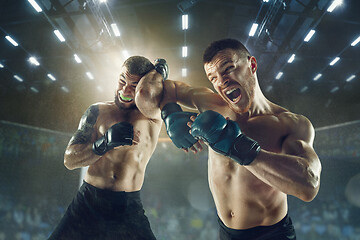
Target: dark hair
column 138, row 65
column 220, row 45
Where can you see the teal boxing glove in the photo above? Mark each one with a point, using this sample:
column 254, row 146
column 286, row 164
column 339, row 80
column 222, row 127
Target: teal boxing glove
column 176, row 125
column 225, row 137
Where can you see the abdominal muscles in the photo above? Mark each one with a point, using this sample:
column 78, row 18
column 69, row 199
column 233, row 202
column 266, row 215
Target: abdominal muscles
column 241, row 199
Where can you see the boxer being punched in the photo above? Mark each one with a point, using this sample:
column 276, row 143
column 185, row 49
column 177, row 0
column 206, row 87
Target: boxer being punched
column 259, row 152
column 115, row 140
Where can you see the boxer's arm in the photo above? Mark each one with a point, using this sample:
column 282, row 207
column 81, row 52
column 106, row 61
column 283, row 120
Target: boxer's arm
column 197, row 98
column 148, row 94
column 295, row 171
column 79, row 152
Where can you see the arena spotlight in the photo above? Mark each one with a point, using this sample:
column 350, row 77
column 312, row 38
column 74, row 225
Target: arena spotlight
column 35, row 5
column 350, row 78
column 1, row 66
column 115, row 29
column 317, row 77
column 291, row 59
column 34, row 61
column 89, row 75
column 34, row 90
column 309, row 35
column 59, row 35
column 12, row 41
column 184, row 72
column 335, row 60
column 65, row 89
column 185, row 22
column 357, row 40
column 253, row 29
column 18, row 78
column 184, row 51
column 77, row 59
column 51, row 77
column 279, row 75
column 334, row 4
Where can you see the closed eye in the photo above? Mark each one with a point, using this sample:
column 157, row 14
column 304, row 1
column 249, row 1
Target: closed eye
column 229, row 68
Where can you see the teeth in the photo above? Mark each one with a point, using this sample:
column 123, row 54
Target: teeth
column 124, row 98
column 230, row 91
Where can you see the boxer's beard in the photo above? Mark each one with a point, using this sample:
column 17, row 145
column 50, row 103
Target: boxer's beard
column 122, row 106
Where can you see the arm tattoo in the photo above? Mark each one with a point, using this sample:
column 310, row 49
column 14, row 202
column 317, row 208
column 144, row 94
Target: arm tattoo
column 86, row 126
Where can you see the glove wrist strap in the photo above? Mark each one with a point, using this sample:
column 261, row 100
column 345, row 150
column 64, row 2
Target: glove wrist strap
column 244, row 150
column 170, row 108
column 99, row 146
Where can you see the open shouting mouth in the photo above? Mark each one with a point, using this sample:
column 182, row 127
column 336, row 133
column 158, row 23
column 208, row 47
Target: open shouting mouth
column 234, row 94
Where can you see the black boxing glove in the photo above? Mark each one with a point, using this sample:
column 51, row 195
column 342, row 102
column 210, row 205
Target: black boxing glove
column 162, row 68
column 119, row 134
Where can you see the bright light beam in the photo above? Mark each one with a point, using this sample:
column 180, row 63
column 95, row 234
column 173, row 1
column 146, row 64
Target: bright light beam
column 253, row 29
column 35, row 5
column 350, row 78
column 184, row 51
column 18, row 78
column 59, row 35
column 51, row 77
column 334, row 61
column 183, row 72
column 185, row 22
column 33, row 60
column 309, row 35
column 12, row 41
column 357, row 40
column 317, row 77
column 77, row 59
column 333, row 5
column 115, row 29
column 291, row 59
column 279, row 75
column 89, row 75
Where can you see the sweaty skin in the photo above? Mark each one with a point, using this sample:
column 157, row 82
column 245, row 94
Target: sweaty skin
column 122, row 168
column 256, row 194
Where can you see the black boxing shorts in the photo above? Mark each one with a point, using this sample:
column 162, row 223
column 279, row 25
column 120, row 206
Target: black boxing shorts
column 102, row 214
column 283, row 230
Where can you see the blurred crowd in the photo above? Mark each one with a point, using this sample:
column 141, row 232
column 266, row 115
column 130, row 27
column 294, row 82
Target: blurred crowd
column 175, row 194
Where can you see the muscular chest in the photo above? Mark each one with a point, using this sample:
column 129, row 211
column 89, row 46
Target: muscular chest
column 142, row 126
column 268, row 131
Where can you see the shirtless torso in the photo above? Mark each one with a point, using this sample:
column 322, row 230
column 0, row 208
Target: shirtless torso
column 243, row 200
column 248, row 196
column 123, row 168
column 115, row 140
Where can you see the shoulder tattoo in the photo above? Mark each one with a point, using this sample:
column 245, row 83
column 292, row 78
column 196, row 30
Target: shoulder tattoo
column 86, row 126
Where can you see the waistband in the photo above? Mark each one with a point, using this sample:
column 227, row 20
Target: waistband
column 108, row 193
column 284, row 224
